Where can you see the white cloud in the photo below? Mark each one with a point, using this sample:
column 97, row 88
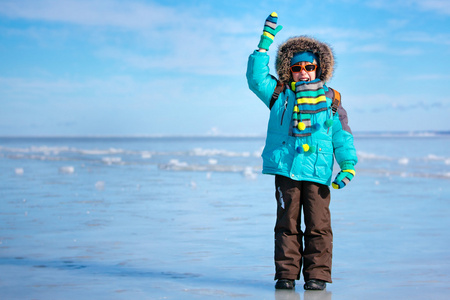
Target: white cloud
column 54, row 90
column 428, row 77
column 426, row 37
column 377, row 103
column 441, row 7
column 129, row 14
column 163, row 37
column 438, row 6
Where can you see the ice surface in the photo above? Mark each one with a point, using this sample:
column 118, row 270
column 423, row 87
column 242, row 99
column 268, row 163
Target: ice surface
column 112, row 160
column 67, row 169
column 193, row 219
column 100, row 185
column 18, row 171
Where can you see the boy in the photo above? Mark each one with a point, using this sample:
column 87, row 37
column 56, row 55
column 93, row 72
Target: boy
column 307, row 126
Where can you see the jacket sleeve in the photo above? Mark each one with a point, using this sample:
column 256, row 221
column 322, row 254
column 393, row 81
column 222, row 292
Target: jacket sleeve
column 258, row 78
column 344, row 150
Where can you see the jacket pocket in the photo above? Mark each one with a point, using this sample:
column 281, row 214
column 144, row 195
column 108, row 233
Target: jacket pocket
column 324, row 161
column 278, row 153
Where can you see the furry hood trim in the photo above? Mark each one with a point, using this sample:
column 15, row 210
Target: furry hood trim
column 299, row 44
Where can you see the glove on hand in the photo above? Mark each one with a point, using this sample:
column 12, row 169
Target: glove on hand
column 269, row 32
column 345, row 175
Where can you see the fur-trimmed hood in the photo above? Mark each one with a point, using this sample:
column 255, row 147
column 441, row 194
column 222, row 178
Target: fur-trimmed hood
column 299, row 44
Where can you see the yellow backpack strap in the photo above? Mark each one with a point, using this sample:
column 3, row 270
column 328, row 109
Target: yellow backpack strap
column 278, row 90
column 336, row 100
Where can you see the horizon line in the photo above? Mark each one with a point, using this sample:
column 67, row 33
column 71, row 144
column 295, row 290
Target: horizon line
column 418, row 133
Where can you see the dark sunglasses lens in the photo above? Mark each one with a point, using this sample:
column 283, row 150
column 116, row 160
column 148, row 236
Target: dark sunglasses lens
column 296, row 69
column 310, row 68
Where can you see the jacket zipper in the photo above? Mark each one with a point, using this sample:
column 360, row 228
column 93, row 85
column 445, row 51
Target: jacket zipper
column 285, row 107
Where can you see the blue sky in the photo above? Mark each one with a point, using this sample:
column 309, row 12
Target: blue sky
column 110, row 67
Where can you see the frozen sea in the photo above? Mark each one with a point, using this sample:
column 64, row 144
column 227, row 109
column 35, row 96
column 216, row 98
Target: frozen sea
column 193, row 218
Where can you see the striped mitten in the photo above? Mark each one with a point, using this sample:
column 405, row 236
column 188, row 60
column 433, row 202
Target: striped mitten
column 345, row 175
column 269, row 32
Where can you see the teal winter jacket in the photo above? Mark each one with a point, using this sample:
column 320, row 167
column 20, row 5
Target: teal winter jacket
column 280, row 156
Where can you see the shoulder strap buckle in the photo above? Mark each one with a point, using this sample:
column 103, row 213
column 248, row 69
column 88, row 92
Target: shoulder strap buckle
column 336, row 101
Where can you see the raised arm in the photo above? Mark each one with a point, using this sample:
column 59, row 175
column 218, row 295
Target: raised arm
column 258, row 78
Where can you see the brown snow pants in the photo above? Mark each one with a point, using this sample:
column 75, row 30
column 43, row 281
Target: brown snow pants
column 314, row 198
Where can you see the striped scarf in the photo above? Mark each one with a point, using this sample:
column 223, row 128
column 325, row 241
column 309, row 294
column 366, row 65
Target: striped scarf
column 310, row 100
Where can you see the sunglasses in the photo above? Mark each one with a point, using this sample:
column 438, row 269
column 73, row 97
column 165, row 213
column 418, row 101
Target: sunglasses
column 307, row 68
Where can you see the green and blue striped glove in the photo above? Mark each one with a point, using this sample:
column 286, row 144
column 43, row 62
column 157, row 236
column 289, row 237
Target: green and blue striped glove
column 269, row 32
column 345, row 175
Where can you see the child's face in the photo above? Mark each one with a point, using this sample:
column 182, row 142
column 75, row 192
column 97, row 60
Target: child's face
column 303, row 75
